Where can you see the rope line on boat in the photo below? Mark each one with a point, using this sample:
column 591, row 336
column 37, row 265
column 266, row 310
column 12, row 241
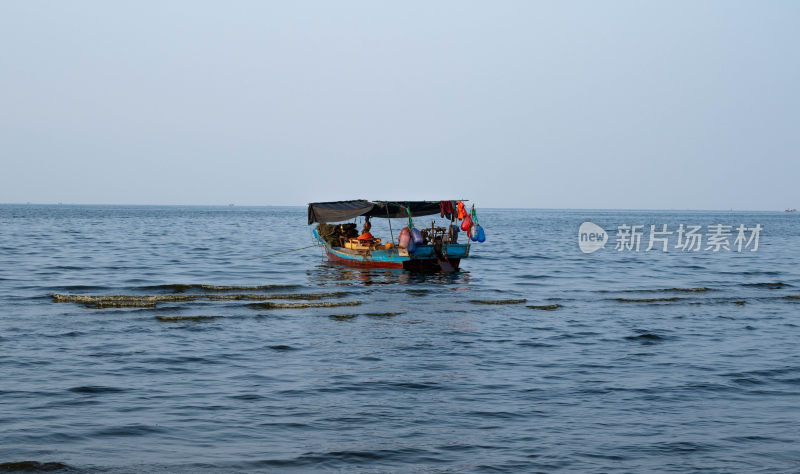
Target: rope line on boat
column 285, row 251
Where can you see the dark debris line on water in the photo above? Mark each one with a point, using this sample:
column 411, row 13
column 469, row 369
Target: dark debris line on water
column 62, row 298
column 520, row 301
column 150, row 301
column 182, row 288
column 270, row 305
column 374, row 315
column 646, row 300
column 645, row 337
column 768, row 285
column 144, row 301
column 286, row 296
column 545, row 307
column 120, row 304
column 34, row 466
column 171, row 319
column 674, row 299
column 342, row 316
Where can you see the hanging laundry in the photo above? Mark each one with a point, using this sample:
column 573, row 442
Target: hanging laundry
column 461, row 213
column 446, row 209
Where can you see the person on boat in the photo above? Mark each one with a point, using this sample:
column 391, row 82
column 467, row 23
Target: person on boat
column 365, row 235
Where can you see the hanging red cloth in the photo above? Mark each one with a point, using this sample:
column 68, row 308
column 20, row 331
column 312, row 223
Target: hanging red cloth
column 446, row 209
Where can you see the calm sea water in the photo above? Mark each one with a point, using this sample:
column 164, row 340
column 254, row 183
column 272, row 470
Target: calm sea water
column 627, row 374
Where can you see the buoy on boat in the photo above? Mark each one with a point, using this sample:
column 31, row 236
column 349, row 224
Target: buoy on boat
column 416, row 236
column 404, row 239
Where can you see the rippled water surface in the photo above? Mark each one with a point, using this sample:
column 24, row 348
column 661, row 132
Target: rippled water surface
column 629, row 372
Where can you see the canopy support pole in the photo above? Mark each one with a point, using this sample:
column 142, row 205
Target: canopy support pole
column 390, row 223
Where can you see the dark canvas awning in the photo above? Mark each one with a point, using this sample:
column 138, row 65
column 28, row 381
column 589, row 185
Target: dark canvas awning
column 338, row 211
column 398, row 209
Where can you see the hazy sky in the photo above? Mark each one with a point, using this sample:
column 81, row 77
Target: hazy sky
column 560, row 104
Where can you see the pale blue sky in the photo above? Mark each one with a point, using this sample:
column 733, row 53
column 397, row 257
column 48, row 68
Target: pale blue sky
column 655, row 105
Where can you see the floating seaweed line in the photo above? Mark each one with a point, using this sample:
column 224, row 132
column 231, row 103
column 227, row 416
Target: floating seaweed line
column 120, row 304
column 172, row 319
column 498, row 301
column 149, row 301
column 768, row 285
column 646, row 300
column 648, row 336
column 182, row 288
column 546, row 307
column 287, row 296
column 34, row 466
column 271, row 305
column 108, row 299
column 673, row 299
column 342, row 316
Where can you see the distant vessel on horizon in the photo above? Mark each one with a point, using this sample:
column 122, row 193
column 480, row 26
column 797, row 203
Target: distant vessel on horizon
column 790, row 210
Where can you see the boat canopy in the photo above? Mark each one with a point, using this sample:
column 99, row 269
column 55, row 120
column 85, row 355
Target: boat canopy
column 338, row 211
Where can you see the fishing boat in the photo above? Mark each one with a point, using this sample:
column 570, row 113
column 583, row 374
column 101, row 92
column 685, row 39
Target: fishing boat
column 433, row 248
column 791, row 210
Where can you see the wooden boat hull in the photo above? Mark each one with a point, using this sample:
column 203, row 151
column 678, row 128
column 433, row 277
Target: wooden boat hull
column 424, row 259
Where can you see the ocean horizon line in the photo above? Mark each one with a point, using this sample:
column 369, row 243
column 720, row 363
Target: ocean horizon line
column 229, row 205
